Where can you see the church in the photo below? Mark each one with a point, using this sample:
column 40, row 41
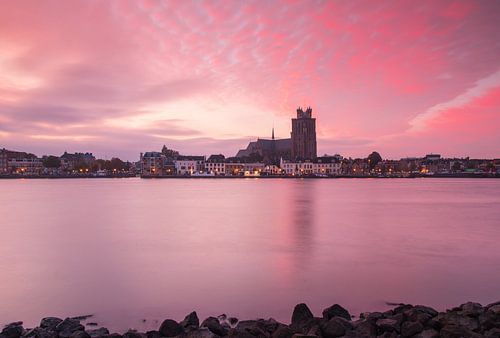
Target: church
column 301, row 146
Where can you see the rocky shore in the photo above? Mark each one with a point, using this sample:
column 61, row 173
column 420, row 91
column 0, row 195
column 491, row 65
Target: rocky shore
column 404, row 320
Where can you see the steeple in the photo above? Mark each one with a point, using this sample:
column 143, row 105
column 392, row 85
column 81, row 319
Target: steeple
column 272, row 137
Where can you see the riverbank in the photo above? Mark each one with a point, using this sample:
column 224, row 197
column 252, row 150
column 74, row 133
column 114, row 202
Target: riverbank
column 404, row 320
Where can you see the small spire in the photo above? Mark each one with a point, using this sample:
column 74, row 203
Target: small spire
column 272, row 137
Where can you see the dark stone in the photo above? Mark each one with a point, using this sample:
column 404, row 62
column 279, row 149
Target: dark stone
column 426, row 309
column 471, row 309
column 191, row 322
column 333, row 328
column 98, row 333
column 409, row 329
column 202, row 332
column 170, row 328
column 153, row 334
column 92, row 324
column 68, row 326
column 336, row 311
column 371, row 316
column 80, row 334
column 283, row 332
column 232, row 320
column 13, row 330
column 402, row 308
column 39, row 332
column 455, row 319
column 493, row 333
column 50, row 322
column 301, row 314
column 433, row 324
column 364, row 328
column 214, row 326
column 388, row 325
column 457, row 331
column 133, row 334
column 114, row 335
column 430, row 333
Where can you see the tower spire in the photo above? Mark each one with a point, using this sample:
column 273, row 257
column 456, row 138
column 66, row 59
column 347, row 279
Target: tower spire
column 272, row 137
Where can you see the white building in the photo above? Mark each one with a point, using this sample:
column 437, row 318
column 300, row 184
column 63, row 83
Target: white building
column 187, row 165
column 326, row 165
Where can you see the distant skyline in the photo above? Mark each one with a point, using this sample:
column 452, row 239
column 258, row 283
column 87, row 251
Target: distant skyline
column 117, row 78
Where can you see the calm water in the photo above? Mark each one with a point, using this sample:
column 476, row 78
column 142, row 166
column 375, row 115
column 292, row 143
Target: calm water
column 130, row 249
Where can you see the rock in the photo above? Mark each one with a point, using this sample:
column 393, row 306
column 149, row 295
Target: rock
column 114, row 335
column 283, row 332
column 301, row 314
column 50, row 322
column 133, row 334
column 13, row 330
column 153, row 334
column 191, row 322
column 336, row 311
column 80, row 334
column 170, row 328
column 402, row 308
column 409, row 329
column 232, row 321
column 494, row 308
column 493, row 333
column 68, row 326
column 39, row 332
column 457, row 331
column 214, row 326
column 371, row 316
column 333, row 328
column 300, row 335
column 426, row 309
column 92, row 324
column 471, row 309
column 456, row 319
column 258, row 327
column 202, row 332
column 430, row 333
column 364, row 328
column 98, row 333
column 388, row 325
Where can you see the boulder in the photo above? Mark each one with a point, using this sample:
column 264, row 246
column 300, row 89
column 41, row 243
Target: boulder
column 455, row 319
column 409, row 329
column 471, row 309
column 80, row 334
column 170, row 328
column 202, row 332
column 12, row 330
column 333, row 328
column 364, row 328
column 283, row 332
column 457, row 331
column 50, row 322
column 98, row 333
column 133, row 334
column 493, row 333
column 336, row 311
column 39, row 332
column 426, row 309
column 388, row 325
column 232, row 321
column 301, row 314
column 429, row 333
column 66, row 328
column 191, row 322
column 214, row 326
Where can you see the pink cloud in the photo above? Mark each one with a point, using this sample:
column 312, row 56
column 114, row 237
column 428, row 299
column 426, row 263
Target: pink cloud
column 367, row 69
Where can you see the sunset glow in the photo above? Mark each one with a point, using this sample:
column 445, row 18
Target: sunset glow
column 116, row 78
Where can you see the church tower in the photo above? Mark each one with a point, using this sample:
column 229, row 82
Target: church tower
column 304, row 135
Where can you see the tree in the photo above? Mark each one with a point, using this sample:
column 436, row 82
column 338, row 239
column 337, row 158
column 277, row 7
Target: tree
column 373, row 159
column 169, row 152
column 51, row 162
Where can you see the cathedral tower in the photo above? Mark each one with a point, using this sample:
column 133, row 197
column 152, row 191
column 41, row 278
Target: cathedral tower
column 304, row 135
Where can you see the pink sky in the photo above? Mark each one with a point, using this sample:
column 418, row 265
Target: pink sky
column 116, row 78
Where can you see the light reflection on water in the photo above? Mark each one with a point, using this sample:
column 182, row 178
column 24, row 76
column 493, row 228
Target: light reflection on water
column 131, row 249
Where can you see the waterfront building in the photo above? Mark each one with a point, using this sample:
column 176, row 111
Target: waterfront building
column 152, row 163
column 234, row 168
column 21, row 163
column 3, row 161
column 325, row 165
column 187, row 165
column 216, row 165
column 304, row 135
column 71, row 161
column 268, row 151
